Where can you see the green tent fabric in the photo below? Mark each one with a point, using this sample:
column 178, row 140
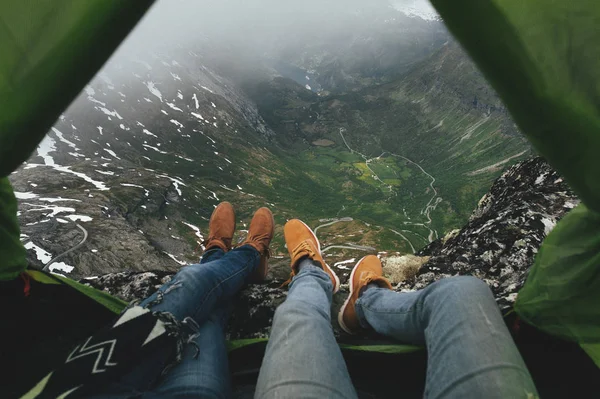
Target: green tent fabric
column 563, row 289
column 543, row 58
column 50, row 50
column 12, row 253
column 382, row 348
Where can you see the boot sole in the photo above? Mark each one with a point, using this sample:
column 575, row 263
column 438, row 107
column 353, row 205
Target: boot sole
column 341, row 313
column 336, row 285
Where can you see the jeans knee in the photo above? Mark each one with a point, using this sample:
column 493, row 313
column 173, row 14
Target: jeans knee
column 185, row 272
column 195, row 272
column 295, row 312
column 469, row 286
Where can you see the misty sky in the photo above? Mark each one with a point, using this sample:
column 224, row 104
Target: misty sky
column 423, row 8
column 183, row 22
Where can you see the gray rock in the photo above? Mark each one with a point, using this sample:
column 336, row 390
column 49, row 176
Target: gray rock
column 504, row 233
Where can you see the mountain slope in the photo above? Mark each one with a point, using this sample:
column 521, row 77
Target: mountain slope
column 424, row 147
column 142, row 157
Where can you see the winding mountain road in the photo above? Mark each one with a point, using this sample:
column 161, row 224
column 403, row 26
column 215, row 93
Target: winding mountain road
column 85, row 237
column 429, row 207
column 350, row 246
column 344, row 219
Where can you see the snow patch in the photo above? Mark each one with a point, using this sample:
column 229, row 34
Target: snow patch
column 27, row 195
column 196, row 229
column 80, row 218
column 149, row 133
column 67, row 169
column 30, row 195
column 176, row 123
column 92, row 99
column 111, row 152
column 107, row 173
column 42, row 255
column 110, row 113
column 176, row 182
column 153, row 90
column 61, row 266
column 184, row 158
column 45, row 148
column 155, row 149
column 174, row 258
column 62, row 138
column 54, row 210
column 173, row 106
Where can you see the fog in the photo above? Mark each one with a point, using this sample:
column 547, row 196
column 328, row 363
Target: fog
column 253, row 23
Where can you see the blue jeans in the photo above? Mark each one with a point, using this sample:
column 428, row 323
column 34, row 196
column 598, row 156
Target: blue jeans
column 470, row 351
column 203, row 292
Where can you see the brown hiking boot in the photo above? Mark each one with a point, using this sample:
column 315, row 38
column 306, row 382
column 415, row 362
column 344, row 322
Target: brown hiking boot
column 260, row 234
column 221, row 228
column 302, row 242
column 368, row 270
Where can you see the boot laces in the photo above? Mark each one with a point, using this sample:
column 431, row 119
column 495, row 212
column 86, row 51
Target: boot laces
column 303, row 248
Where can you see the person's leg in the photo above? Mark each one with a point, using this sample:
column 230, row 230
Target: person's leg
column 197, row 289
column 470, row 350
column 204, row 370
column 211, row 254
column 302, row 357
column 202, row 293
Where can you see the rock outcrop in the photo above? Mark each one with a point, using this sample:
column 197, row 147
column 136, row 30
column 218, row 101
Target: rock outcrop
column 500, row 241
column 498, row 245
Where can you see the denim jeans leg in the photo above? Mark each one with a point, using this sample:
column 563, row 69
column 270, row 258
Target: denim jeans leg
column 303, row 358
column 197, row 289
column 204, row 376
column 211, row 255
column 470, row 351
